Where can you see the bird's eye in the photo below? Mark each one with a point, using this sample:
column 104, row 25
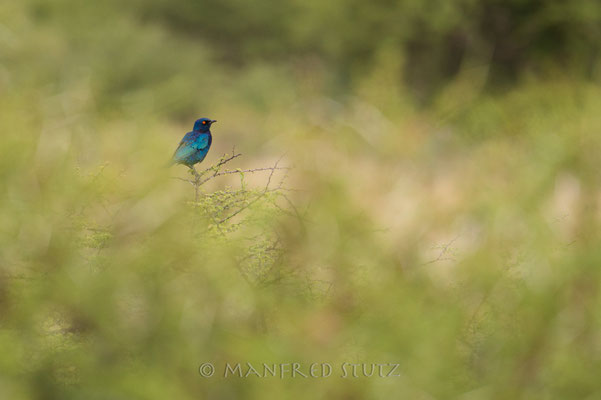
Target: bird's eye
column 204, row 122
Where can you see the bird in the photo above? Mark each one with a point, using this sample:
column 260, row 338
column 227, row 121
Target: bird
column 195, row 145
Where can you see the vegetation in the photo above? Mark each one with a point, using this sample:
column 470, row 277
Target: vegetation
column 419, row 186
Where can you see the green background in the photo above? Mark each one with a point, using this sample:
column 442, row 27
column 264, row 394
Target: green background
column 441, row 210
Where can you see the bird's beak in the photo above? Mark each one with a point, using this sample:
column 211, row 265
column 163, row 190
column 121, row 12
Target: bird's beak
column 213, row 121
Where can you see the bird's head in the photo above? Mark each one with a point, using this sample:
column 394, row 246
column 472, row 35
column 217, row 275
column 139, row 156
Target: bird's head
column 203, row 124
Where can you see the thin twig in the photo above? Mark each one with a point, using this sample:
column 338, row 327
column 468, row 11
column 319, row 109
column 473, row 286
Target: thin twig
column 196, row 185
column 224, row 160
column 444, row 249
column 256, row 198
column 239, row 171
column 183, row 180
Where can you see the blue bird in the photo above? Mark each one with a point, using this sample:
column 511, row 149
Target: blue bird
column 195, row 145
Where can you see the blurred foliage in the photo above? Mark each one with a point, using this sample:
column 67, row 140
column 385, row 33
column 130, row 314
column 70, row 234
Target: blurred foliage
column 434, row 38
column 442, row 210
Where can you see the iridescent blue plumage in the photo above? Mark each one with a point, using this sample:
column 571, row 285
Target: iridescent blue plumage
column 195, row 145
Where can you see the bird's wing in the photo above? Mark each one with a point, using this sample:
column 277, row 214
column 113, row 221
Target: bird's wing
column 190, row 144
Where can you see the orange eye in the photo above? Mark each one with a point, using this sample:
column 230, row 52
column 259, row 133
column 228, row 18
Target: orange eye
column 204, row 122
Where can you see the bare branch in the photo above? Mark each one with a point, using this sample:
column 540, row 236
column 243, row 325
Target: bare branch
column 239, row 171
column 183, row 180
column 256, row 198
column 444, row 251
column 224, row 160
